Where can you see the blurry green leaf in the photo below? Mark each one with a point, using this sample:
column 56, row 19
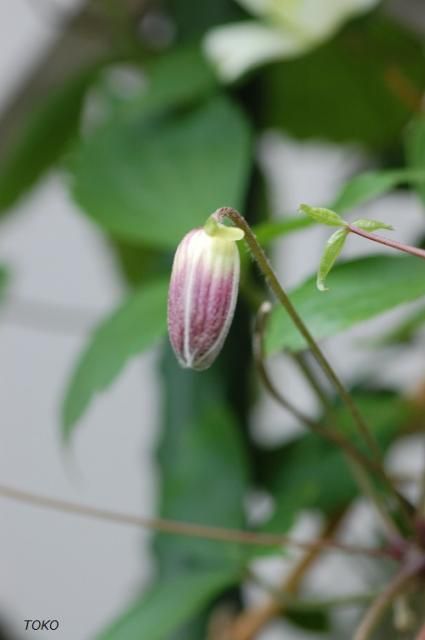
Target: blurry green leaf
column 45, row 136
column 353, row 88
column 311, row 473
column 176, row 79
column 371, row 225
column 405, row 332
column 202, row 478
column 360, row 289
column 415, row 150
column 154, row 180
column 354, row 193
column 204, row 469
column 267, row 231
column 136, row 325
column 168, row 605
column 333, row 248
column 321, row 215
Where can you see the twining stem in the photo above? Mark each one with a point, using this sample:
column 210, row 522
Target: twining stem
column 283, row 298
column 399, row 246
column 174, row 527
column 332, row 435
column 379, row 606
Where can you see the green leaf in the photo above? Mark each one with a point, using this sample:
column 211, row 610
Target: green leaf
column 154, row 180
column 321, row 215
column 168, row 605
column 176, row 79
column 415, row 150
column 204, row 469
column 136, row 325
column 373, row 184
column 360, row 289
column 354, row 193
column 371, row 225
column 310, row 473
column 332, row 250
column 52, row 125
column 350, row 89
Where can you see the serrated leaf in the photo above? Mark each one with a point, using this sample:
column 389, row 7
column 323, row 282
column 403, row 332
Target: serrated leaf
column 136, row 325
column 332, row 250
column 360, row 289
column 354, row 193
column 45, row 136
column 322, row 215
column 371, row 225
column 168, row 605
column 153, row 180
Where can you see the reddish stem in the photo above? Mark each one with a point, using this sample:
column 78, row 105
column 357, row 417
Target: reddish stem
column 399, row 246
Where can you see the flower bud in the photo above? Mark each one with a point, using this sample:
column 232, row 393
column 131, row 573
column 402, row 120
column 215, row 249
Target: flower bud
column 203, row 292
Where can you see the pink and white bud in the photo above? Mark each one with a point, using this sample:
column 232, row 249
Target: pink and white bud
column 203, row 292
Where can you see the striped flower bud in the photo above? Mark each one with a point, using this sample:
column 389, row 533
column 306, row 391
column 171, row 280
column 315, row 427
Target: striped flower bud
column 203, row 292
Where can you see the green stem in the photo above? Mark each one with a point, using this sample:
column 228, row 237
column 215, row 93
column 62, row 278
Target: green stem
column 330, row 434
column 283, row 298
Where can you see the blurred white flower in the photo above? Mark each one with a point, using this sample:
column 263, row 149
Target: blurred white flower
column 287, row 28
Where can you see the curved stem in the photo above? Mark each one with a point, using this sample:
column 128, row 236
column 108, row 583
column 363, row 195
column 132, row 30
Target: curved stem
column 399, row 246
column 175, row 527
column 330, row 434
column 283, row 298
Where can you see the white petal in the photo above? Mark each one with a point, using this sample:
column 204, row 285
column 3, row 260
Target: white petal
column 236, row 48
